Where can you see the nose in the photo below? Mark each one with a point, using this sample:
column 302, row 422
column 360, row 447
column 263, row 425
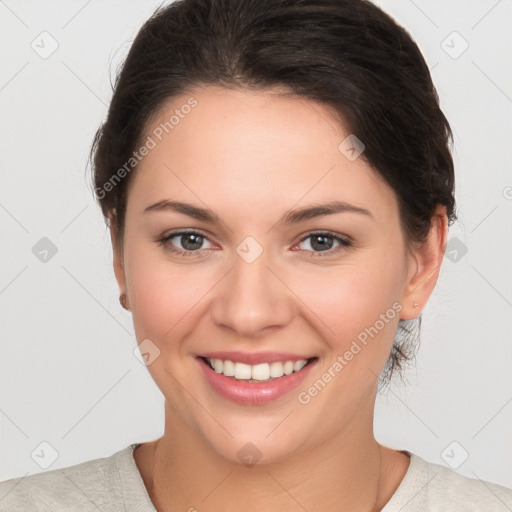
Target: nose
column 252, row 299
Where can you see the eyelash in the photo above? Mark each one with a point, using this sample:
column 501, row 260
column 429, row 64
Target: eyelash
column 345, row 243
column 164, row 241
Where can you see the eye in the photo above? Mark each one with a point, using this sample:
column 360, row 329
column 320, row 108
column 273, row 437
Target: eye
column 322, row 243
column 190, row 241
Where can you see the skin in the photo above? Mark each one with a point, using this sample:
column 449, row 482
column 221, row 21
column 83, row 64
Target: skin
column 251, row 156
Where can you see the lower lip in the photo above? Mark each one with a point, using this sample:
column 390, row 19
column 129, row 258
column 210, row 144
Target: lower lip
column 253, row 393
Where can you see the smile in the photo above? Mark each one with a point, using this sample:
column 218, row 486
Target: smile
column 254, row 384
column 258, row 372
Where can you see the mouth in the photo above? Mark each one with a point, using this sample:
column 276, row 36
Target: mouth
column 254, row 384
column 262, row 372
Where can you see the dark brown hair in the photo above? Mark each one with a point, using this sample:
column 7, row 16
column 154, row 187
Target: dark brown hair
column 347, row 54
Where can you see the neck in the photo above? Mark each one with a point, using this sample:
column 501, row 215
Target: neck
column 351, row 472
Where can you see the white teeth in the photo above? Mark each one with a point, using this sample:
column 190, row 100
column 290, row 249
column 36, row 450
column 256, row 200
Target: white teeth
column 242, row 371
column 261, row 372
column 229, row 369
column 288, row 367
column 276, row 369
column 217, row 365
column 299, row 365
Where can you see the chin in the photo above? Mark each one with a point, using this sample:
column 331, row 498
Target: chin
column 256, row 452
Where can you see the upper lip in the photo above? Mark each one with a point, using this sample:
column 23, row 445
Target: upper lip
column 253, row 358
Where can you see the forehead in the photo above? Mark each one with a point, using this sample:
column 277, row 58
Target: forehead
column 252, row 148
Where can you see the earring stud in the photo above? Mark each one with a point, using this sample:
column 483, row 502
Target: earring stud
column 122, row 300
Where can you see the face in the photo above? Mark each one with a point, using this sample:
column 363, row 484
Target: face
column 253, row 283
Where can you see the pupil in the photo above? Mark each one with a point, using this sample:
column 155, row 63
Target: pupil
column 191, row 236
column 322, row 245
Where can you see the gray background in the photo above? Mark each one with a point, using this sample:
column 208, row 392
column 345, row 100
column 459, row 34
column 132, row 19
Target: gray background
column 68, row 374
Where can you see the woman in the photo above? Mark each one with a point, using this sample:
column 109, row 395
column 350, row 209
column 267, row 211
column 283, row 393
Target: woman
column 277, row 180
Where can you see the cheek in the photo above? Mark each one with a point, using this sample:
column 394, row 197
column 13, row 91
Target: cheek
column 165, row 296
column 356, row 302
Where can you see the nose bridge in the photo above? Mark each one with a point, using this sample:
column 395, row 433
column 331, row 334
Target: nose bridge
column 252, row 298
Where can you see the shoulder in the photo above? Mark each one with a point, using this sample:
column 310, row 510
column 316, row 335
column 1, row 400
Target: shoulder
column 434, row 488
column 91, row 485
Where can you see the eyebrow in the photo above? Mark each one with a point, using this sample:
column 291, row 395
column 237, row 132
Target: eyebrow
column 290, row 217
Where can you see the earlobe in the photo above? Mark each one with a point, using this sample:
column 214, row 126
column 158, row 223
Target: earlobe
column 426, row 266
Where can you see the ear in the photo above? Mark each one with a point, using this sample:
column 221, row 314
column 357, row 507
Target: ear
column 117, row 256
column 425, row 264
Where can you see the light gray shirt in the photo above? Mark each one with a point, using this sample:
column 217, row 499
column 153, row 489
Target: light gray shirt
column 114, row 484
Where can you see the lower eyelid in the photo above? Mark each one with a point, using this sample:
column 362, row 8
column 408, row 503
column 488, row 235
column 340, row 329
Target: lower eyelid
column 343, row 242
column 166, row 241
